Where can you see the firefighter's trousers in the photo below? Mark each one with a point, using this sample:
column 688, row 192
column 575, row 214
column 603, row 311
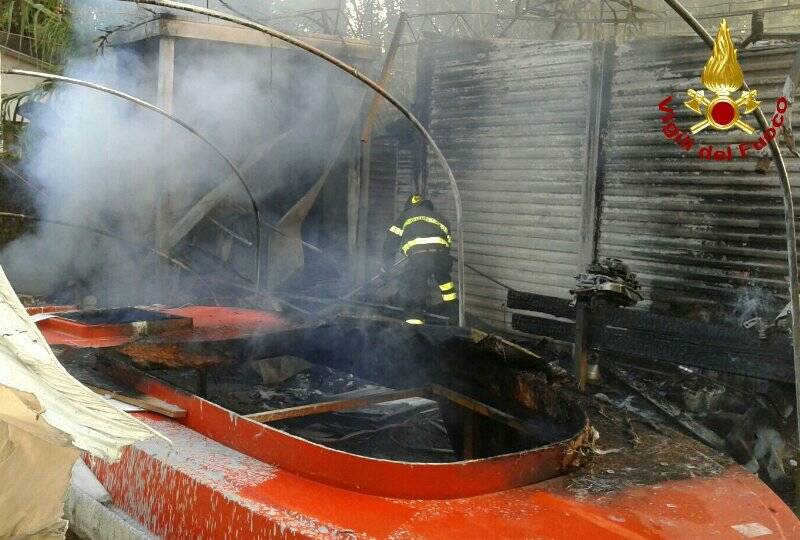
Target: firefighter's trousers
column 414, row 283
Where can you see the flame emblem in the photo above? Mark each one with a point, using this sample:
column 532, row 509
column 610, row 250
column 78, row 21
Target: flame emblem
column 722, row 76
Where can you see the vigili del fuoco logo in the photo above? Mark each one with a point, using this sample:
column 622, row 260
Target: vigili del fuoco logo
column 721, row 110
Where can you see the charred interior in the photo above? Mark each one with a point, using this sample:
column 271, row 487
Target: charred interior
column 373, row 388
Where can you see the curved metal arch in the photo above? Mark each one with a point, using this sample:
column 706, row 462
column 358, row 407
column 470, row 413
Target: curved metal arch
column 364, row 79
column 187, row 127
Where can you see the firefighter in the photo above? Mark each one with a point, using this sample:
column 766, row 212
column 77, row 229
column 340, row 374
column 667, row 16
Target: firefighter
column 424, row 237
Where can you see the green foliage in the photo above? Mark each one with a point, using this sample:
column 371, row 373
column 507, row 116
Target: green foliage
column 40, row 29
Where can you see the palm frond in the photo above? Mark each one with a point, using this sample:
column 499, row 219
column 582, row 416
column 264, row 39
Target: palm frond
column 40, row 29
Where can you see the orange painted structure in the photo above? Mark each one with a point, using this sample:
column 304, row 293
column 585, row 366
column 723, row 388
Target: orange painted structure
column 229, row 477
column 202, row 489
column 208, row 324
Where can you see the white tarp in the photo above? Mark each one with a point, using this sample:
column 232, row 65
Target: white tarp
column 46, row 417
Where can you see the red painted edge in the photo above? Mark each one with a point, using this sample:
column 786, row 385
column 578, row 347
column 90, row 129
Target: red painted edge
column 360, row 473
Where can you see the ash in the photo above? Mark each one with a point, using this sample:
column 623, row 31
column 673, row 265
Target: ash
column 402, row 430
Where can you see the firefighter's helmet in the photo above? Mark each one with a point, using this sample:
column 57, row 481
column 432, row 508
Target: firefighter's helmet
column 414, row 199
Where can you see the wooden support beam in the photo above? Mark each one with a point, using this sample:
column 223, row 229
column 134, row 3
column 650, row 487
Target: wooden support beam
column 551, row 328
column 468, row 419
column 162, row 183
column 598, row 104
column 386, row 74
column 580, row 353
column 557, row 307
column 598, row 99
column 480, row 408
column 231, row 185
column 373, row 110
column 286, row 255
column 352, row 49
column 148, row 403
column 335, row 405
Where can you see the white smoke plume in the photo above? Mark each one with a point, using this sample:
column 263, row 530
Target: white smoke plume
column 98, row 158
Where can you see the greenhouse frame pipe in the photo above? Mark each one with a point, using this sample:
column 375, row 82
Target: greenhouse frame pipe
column 184, row 125
column 788, row 207
column 364, row 79
column 124, row 241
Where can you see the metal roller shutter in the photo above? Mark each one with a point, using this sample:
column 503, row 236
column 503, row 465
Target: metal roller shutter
column 383, row 174
column 706, row 238
column 512, row 121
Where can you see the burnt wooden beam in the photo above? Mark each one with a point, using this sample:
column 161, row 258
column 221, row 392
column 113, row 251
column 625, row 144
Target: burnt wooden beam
column 480, row 408
column 468, row 422
column 143, row 401
column 558, row 307
column 599, row 103
column 653, row 323
column 633, row 333
column 581, row 351
column 381, row 396
column 701, row 432
column 551, row 328
column 712, row 356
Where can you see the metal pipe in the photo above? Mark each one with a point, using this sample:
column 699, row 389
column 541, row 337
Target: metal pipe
column 187, row 127
column 106, row 234
column 788, row 208
column 364, row 79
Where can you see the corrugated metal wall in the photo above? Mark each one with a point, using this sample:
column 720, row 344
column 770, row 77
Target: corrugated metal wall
column 512, row 121
column 382, row 186
column 705, row 237
column 407, row 157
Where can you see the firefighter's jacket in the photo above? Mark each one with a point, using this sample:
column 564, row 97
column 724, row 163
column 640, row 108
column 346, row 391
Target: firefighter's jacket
column 420, row 228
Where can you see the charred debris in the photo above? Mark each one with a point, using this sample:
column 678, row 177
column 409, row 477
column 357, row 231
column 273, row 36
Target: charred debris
column 620, row 380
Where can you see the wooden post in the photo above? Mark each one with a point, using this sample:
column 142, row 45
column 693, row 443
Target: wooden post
column 352, row 204
column 362, row 215
column 366, row 141
column 580, row 353
column 592, row 186
column 164, row 99
column 468, row 418
column 590, row 206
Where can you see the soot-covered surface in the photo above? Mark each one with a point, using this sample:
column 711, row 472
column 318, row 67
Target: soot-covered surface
column 401, row 430
column 633, row 449
column 117, row 316
column 399, row 357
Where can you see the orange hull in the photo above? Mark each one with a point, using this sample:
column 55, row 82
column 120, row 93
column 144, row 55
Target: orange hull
column 228, row 477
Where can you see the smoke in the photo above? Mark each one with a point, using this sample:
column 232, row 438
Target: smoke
column 752, row 302
column 104, row 162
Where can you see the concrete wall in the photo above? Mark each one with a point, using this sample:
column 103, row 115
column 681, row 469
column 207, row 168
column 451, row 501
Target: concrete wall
column 11, row 84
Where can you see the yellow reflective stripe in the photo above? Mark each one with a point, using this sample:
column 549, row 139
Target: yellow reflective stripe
column 447, row 286
column 425, row 241
column 427, row 219
column 396, row 230
column 414, row 321
column 449, row 297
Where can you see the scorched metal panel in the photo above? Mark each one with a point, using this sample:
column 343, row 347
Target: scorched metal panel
column 511, row 119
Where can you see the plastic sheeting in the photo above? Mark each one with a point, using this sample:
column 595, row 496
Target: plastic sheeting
column 46, row 417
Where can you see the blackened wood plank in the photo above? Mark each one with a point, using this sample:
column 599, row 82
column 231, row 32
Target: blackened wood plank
column 558, row 330
column 558, row 307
